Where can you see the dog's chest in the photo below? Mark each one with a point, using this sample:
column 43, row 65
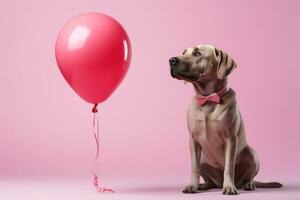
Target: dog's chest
column 208, row 127
column 207, row 122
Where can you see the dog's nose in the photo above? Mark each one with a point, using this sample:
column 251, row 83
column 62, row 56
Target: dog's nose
column 173, row 61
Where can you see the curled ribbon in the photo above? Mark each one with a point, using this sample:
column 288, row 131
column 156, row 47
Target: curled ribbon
column 95, row 169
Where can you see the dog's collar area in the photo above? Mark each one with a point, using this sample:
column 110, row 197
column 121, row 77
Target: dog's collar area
column 214, row 97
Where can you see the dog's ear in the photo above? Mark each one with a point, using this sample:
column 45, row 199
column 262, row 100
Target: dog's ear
column 225, row 64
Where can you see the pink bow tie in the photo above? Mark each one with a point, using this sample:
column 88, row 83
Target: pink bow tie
column 214, row 97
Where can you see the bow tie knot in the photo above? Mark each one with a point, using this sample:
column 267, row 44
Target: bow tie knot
column 214, row 97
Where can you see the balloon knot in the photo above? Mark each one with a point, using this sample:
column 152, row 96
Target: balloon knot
column 95, row 110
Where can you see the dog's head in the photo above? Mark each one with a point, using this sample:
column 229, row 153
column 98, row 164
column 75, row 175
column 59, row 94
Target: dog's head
column 201, row 63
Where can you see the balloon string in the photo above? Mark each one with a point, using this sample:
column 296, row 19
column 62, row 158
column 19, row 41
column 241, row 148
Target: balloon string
column 95, row 169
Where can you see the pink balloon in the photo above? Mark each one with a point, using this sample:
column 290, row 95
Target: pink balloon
column 93, row 53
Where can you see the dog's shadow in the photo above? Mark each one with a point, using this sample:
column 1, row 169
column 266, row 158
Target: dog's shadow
column 292, row 187
column 164, row 189
column 178, row 189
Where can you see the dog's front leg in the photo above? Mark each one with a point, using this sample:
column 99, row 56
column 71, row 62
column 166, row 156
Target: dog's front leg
column 230, row 157
column 195, row 150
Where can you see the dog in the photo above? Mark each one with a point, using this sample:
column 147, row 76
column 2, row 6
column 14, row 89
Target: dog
column 217, row 141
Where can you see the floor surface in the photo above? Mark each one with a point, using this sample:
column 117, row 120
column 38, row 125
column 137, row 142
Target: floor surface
column 140, row 190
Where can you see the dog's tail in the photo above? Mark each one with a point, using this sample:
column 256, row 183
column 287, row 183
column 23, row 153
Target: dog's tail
column 267, row 184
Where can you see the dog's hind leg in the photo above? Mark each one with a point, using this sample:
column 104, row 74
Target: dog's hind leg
column 246, row 169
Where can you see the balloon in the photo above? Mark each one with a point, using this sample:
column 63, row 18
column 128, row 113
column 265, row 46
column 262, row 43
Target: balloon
column 93, row 53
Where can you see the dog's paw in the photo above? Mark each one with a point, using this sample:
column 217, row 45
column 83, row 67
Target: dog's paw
column 249, row 186
column 230, row 190
column 191, row 189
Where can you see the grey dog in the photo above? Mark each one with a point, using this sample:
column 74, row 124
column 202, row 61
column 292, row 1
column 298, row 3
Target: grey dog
column 219, row 151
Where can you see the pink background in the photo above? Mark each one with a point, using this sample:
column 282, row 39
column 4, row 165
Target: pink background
column 46, row 128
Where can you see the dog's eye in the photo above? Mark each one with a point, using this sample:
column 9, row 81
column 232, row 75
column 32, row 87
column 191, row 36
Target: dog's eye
column 196, row 53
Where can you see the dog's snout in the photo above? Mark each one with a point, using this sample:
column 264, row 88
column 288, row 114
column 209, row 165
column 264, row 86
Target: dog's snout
column 173, row 61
